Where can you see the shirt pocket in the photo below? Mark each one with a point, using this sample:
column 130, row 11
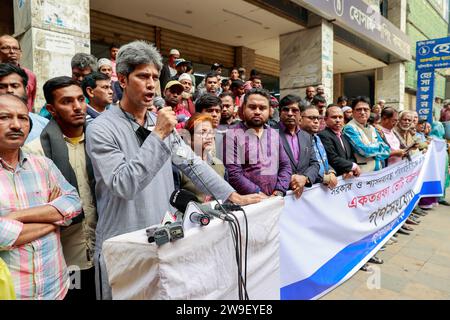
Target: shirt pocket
column 37, row 195
column 41, row 196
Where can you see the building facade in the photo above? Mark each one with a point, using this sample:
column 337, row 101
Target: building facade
column 352, row 47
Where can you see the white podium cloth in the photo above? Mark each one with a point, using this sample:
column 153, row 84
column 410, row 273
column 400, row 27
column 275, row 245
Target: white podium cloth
column 202, row 265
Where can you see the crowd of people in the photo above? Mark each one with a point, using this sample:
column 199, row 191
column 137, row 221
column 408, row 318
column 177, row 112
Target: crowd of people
column 114, row 140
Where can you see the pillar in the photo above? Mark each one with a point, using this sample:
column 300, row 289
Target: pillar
column 306, row 59
column 390, row 80
column 338, row 86
column 50, row 33
column 245, row 57
column 390, row 85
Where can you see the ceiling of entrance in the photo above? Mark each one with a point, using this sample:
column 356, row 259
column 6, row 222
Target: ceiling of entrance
column 347, row 59
column 232, row 22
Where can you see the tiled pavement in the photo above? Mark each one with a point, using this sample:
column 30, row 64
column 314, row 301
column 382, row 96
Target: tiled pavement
column 417, row 267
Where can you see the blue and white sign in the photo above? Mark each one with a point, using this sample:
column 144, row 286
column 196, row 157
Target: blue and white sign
column 433, row 54
column 425, row 94
column 327, row 236
column 430, row 55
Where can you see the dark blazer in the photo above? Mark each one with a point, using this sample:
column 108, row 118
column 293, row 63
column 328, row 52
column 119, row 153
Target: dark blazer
column 341, row 160
column 55, row 148
column 307, row 164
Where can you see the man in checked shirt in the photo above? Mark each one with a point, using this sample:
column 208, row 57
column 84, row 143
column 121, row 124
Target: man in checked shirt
column 35, row 200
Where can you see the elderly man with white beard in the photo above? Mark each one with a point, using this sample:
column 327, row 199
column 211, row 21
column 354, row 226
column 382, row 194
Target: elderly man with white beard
column 402, row 129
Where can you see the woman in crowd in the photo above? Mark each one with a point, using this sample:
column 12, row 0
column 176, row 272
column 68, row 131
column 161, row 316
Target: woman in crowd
column 202, row 141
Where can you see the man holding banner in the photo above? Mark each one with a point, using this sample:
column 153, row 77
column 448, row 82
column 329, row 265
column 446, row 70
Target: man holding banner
column 254, row 157
column 370, row 149
column 339, row 150
column 403, row 131
column 298, row 145
column 389, row 119
column 310, row 122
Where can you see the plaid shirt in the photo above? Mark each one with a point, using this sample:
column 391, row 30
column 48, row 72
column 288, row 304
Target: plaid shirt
column 38, row 268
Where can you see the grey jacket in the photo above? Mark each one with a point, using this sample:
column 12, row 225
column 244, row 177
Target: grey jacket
column 55, row 148
column 307, row 164
column 133, row 182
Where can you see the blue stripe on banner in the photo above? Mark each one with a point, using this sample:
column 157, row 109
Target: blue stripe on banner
column 431, row 188
column 348, row 258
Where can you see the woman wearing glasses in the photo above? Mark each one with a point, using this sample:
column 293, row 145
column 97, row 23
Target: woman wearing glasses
column 202, row 141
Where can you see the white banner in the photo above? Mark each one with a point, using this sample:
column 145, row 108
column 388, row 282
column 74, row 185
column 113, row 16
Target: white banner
column 327, row 235
column 202, row 265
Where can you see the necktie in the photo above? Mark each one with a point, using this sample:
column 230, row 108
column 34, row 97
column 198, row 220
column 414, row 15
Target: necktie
column 339, row 134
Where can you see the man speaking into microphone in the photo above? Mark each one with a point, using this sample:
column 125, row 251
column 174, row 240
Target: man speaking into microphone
column 132, row 152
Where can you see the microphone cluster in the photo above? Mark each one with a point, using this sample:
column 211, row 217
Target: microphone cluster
column 167, row 232
column 181, row 199
column 172, row 228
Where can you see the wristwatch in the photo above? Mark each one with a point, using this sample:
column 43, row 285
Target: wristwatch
column 278, row 193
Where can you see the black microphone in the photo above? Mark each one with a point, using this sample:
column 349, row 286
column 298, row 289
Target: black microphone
column 229, row 206
column 181, row 198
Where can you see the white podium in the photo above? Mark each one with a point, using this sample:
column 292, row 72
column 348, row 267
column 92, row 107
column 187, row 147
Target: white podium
column 202, row 265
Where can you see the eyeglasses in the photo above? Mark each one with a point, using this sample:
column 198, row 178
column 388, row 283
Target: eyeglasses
column 205, row 134
column 10, row 49
column 313, row 118
column 287, row 109
column 360, row 110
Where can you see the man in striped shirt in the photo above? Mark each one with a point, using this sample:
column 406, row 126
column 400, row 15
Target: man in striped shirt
column 35, row 200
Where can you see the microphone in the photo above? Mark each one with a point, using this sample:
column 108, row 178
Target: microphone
column 199, row 218
column 215, row 213
column 181, row 198
column 182, row 118
column 158, row 102
column 178, row 148
column 170, row 217
column 229, row 206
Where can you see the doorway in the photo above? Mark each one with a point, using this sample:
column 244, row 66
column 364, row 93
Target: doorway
column 360, row 84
